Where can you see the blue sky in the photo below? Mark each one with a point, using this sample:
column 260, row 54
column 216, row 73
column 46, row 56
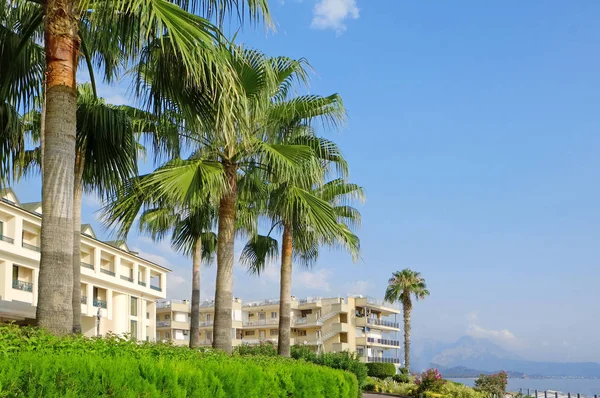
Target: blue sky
column 473, row 127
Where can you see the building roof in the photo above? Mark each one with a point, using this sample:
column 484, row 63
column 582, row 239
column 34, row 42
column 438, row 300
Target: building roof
column 32, row 206
column 87, row 229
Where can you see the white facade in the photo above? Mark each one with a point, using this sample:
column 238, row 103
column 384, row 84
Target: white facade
column 114, row 281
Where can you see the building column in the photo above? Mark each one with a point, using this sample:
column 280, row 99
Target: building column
column 147, row 277
column 97, row 259
column 34, row 279
column 117, row 266
column 5, row 280
column 18, row 238
column 135, row 273
column 163, row 282
column 89, row 292
column 109, row 303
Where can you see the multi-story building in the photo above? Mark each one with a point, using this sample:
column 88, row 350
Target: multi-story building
column 355, row 323
column 173, row 321
column 118, row 288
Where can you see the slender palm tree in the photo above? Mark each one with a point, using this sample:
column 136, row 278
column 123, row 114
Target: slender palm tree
column 191, row 235
column 125, row 25
column 309, row 218
column 402, row 286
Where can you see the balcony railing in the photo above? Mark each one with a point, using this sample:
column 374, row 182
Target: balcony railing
column 7, row 239
column 99, row 303
column 206, row 324
column 381, row 322
column 262, row 322
column 162, row 324
column 383, row 360
column 107, row 272
column 31, row 247
column 22, row 285
column 394, row 343
column 126, row 278
column 86, row 265
column 83, row 299
column 261, row 303
column 142, row 283
column 157, row 288
column 208, row 303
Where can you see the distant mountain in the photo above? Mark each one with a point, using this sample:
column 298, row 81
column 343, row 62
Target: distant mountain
column 479, row 355
column 464, row 372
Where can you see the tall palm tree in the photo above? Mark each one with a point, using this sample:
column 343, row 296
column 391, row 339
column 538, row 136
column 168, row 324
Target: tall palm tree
column 263, row 106
column 402, row 286
column 125, row 25
column 191, row 235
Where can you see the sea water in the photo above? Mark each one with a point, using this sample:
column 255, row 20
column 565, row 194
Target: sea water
column 585, row 387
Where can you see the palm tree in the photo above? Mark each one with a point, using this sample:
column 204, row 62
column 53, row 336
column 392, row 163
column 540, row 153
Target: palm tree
column 310, row 217
column 190, row 234
column 401, row 287
column 72, row 29
column 232, row 152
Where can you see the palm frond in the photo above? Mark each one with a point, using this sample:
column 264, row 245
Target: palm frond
column 258, row 252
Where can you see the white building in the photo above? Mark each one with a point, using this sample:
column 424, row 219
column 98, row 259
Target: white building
column 115, row 281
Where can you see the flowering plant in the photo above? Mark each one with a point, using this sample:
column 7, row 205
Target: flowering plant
column 430, row 380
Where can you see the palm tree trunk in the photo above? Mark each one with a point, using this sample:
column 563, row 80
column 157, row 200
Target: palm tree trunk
column 77, row 193
column 407, row 307
column 225, row 248
column 55, row 308
column 195, row 319
column 285, row 292
column 42, row 129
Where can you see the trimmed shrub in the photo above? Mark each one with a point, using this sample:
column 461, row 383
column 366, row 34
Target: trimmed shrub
column 33, row 363
column 335, row 360
column 381, row 370
column 404, row 371
column 401, row 378
column 457, row 390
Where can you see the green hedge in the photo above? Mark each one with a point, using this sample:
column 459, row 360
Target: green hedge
column 35, row 364
column 381, row 370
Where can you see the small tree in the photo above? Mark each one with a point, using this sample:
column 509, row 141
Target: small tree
column 494, row 384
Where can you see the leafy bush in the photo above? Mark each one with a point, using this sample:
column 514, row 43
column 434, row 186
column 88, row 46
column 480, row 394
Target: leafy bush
column 404, row 371
column 429, row 381
column 34, row 363
column 457, row 390
column 401, row 378
column 492, row 384
column 266, row 349
column 388, row 386
column 381, row 370
column 336, row 360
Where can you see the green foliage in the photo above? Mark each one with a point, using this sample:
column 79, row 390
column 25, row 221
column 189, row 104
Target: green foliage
column 492, row 384
column 336, row 360
column 401, row 378
column 381, row 370
column 457, row 390
column 34, row 363
column 404, row 371
column 388, row 386
column 268, row 350
column 429, row 381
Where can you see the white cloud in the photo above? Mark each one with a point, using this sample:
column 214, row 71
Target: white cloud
column 331, row 14
column 316, row 281
column 356, row 287
column 92, row 200
column 503, row 336
column 472, row 316
column 155, row 258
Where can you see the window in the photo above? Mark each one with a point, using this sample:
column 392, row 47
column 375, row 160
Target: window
column 208, row 317
column 186, row 332
column 301, row 332
column 273, row 315
column 133, row 330
column 262, row 316
column 274, row 332
column 1, row 229
column 15, row 273
column 134, row 306
column 167, row 317
column 249, row 333
column 167, row 335
column 147, row 315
